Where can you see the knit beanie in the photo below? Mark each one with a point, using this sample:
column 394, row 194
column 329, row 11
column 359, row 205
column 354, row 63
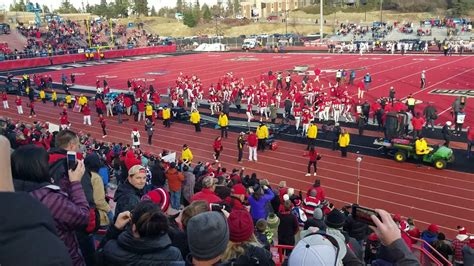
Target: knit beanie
column 240, row 226
column 335, row 219
column 273, row 221
column 318, row 214
column 433, row 228
column 208, row 235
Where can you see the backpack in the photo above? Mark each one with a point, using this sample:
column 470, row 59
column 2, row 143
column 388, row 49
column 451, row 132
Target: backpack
column 135, row 138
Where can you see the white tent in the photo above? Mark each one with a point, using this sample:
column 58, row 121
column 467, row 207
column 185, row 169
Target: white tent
column 211, row 47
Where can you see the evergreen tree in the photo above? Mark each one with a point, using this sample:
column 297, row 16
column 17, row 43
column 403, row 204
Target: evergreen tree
column 206, row 12
column 153, row 12
column 189, row 19
column 141, row 7
column 18, row 6
column 236, row 6
column 121, row 7
column 66, row 7
column 197, row 11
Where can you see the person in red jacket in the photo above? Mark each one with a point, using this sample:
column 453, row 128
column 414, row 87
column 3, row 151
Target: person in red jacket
column 237, row 198
column 86, row 111
column 102, row 125
column 217, row 145
column 313, row 159
column 470, row 141
column 252, row 142
column 417, row 122
column 141, row 110
column 32, row 109
column 207, row 192
column 320, row 193
column 64, row 121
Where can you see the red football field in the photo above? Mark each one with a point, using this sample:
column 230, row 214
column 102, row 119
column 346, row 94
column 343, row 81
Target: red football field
column 430, row 196
column 401, row 72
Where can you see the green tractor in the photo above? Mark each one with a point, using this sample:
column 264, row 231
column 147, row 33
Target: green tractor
column 403, row 148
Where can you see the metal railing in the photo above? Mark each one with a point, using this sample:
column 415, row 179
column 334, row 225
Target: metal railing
column 427, row 254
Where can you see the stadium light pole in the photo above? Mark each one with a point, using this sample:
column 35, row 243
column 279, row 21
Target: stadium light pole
column 358, row 160
column 321, row 21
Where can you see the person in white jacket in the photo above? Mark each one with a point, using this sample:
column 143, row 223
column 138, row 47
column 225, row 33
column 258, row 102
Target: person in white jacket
column 135, row 138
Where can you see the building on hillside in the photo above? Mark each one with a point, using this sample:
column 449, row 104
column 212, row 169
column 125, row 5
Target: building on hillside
column 266, row 8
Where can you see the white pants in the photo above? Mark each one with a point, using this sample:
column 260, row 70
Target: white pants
column 249, row 116
column 336, row 114
column 252, row 153
column 87, row 120
column 213, row 107
column 63, row 126
column 305, row 129
column 297, row 122
column 174, row 103
column 109, row 111
column 316, row 79
column 20, row 109
column 5, row 105
column 264, row 110
column 326, row 113
column 141, row 114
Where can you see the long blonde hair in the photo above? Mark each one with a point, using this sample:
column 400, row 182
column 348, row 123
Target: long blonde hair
column 236, row 249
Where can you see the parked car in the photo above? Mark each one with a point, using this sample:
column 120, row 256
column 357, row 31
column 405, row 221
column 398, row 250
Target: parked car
column 4, row 28
column 272, row 18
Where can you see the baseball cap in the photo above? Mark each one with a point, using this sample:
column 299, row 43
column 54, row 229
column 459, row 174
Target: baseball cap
column 318, row 249
column 136, row 169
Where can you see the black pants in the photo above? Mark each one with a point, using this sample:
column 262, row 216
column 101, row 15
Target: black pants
column 217, row 153
column 343, row 151
column 261, row 144
column 55, row 102
column 446, row 142
column 311, row 142
column 197, row 127
column 103, row 131
column 334, row 144
column 411, row 108
column 241, row 154
column 32, row 111
column 167, row 122
column 223, row 132
column 43, row 100
column 288, row 86
column 279, row 84
column 314, row 166
column 422, row 83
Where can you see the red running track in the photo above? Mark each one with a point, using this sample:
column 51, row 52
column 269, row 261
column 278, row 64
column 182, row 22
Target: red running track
column 402, row 72
column 430, row 196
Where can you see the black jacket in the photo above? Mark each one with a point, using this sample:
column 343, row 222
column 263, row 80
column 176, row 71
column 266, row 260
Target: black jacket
column 127, row 197
column 398, row 254
column 128, row 250
column 28, row 234
column 158, row 178
column 356, row 229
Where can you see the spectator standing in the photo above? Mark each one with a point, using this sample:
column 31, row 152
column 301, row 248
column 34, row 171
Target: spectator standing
column 468, row 252
column 237, row 197
column 175, row 182
column 86, row 111
column 207, row 192
column 252, row 142
column 208, row 237
column 223, row 122
column 188, row 185
column 243, row 247
column 93, row 164
column 430, row 234
column 258, row 201
column 461, row 240
column 262, row 135
column 25, row 227
column 288, row 227
column 103, row 125
column 344, row 141
column 147, row 241
column 135, row 135
column 70, row 211
column 54, row 98
column 130, row 192
column 443, row 247
column 391, row 95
